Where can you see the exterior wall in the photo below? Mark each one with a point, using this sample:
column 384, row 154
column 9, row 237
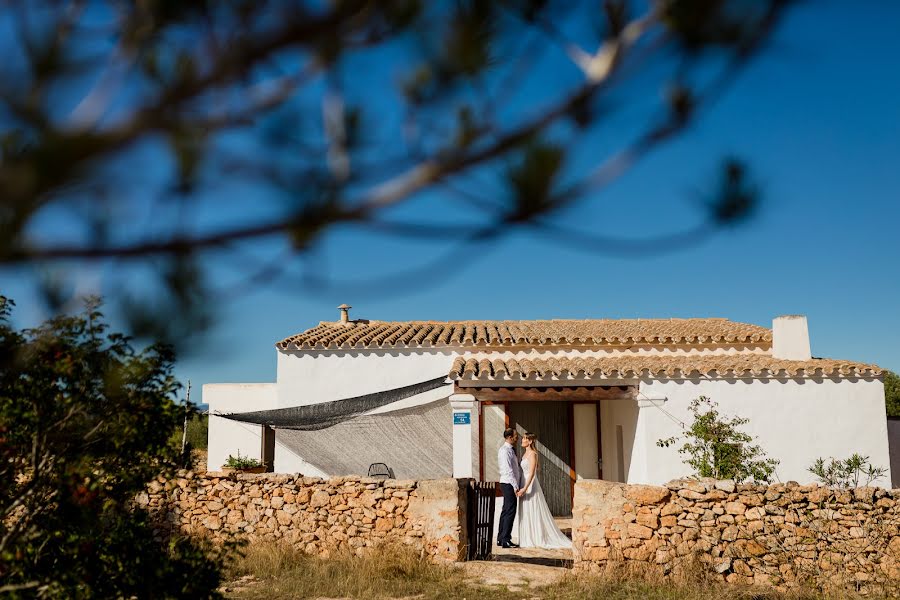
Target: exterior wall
column 288, row 461
column 230, row 437
column 318, row 516
column 585, row 419
column 783, row 535
column 795, row 421
column 312, row 377
column 630, row 465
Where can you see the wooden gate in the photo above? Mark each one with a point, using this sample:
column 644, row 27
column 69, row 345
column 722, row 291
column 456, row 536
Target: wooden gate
column 481, row 499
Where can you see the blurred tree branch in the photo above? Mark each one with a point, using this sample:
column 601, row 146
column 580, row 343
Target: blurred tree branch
column 275, row 95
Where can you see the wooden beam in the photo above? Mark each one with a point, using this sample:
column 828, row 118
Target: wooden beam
column 572, row 394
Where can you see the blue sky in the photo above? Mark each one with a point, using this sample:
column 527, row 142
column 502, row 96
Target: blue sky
column 818, row 119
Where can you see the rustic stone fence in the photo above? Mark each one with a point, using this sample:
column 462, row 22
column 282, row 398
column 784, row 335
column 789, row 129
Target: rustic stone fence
column 319, row 516
column 783, row 534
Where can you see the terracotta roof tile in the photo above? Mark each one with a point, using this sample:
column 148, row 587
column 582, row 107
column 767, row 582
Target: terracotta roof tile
column 591, row 367
column 381, row 334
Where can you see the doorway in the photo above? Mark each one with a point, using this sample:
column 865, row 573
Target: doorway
column 568, row 435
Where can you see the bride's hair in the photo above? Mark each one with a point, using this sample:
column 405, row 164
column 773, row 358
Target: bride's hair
column 530, row 437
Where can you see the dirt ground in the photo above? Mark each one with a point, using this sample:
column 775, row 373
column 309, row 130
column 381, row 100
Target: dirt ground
column 522, row 568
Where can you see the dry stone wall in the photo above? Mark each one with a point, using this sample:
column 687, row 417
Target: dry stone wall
column 319, row 516
column 783, row 534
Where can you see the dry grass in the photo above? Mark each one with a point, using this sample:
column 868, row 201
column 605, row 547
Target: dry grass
column 283, row 572
column 280, row 572
column 632, row 586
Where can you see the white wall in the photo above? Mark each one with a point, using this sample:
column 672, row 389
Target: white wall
column 230, row 437
column 621, row 413
column 288, row 461
column 795, row 421
column 322, row 376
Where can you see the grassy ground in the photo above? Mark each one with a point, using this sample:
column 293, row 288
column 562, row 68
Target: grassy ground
column 275, row 572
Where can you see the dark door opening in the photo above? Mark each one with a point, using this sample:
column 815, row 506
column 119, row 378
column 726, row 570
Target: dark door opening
column 551, row 422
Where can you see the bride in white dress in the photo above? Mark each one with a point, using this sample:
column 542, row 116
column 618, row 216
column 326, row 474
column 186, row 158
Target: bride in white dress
column 537, row 529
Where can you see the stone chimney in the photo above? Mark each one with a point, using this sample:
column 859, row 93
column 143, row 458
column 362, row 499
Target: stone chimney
column 345, row 312
column 790, row 338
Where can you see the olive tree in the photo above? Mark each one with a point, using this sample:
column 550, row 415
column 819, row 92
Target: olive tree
column 714, row 446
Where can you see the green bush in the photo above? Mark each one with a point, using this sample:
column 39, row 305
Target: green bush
column 86, row 421
column 846, row 473
column 714, row 446
column 241, row 462
column 197, row 432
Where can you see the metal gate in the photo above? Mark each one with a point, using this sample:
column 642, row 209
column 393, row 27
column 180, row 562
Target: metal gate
column 481, row 499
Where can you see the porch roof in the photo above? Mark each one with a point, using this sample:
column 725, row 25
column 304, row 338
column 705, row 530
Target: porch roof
column 487, row 368
column 556, row 332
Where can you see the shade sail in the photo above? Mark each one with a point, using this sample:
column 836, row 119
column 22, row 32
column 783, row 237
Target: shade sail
column 312, row 417
column 415, row 442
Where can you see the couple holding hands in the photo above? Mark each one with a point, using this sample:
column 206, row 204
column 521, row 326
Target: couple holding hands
column 522, row 493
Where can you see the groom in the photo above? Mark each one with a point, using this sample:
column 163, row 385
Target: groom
column 510, row 480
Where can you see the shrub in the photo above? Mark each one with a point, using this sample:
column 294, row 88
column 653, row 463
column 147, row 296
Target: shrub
column 85, row 423
column 715, row 447
column 846, row 473
column 241, row 462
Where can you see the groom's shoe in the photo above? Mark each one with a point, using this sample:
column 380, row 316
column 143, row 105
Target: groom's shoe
column 509, row 545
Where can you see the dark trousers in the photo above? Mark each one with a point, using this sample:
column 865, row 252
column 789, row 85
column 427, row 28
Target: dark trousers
column 507, row 515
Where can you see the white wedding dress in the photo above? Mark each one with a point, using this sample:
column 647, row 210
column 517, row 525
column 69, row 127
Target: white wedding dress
column 537, row 529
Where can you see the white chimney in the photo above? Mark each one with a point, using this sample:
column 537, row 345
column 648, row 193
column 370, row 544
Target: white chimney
column 790, row 338
column 345, row 313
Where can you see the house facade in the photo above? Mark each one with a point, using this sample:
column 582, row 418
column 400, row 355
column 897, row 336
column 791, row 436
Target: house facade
column 598, row 394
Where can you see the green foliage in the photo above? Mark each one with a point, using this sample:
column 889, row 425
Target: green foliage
column 892, row 393
column 715, row 447
column 241, row 462
column 846, row 473
column 85, row 423
column 197, row 432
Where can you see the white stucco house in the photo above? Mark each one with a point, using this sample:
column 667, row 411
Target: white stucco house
column 430, row 399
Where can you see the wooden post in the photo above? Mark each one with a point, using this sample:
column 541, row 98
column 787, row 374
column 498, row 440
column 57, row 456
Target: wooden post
column 187, row 412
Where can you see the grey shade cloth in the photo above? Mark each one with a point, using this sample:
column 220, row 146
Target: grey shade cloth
column 415, row 442
column 327, row 414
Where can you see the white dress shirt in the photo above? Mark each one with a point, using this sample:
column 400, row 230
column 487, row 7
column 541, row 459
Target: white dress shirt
column 509, row 465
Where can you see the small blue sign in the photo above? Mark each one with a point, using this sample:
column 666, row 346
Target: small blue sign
column 462, row 418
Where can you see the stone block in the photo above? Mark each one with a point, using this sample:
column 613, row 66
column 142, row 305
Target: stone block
column 639, row 531
column 725, row 485
column 320, row 498
column 648, row 520
column 691, row 494
column 735, row 508
column 647, row 494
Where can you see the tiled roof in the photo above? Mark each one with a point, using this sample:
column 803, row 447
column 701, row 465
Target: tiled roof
column 387, row 334
column 593, row 367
